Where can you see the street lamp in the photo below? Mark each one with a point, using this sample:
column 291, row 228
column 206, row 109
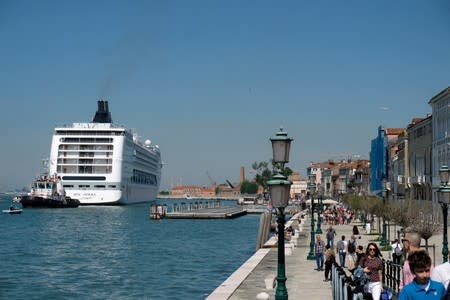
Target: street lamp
column 279, row 188
column 444, row 200
column 319, row 211
column 383, row 241
column 311, row 190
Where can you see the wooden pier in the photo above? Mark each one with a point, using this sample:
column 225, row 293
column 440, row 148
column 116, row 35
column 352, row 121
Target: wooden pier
column 227, row 212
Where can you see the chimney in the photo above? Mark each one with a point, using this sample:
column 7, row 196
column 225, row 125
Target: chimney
column 102, row 115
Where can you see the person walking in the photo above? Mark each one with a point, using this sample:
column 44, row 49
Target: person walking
column 355, row 230
column 330, row 259
column 397, row 252
column 341, row 249
column 441, row 273
column 331, row 233
column 373, row 267
column 422, row 287
column 351, row 257
column 411, row 244
column 319, row 248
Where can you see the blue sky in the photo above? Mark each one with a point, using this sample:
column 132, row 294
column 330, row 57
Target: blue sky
column 211, row 81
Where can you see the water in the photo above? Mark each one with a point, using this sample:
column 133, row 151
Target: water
column 117, row 252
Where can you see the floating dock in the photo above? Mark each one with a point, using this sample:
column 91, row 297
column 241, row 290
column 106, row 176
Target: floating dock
column 229, row 212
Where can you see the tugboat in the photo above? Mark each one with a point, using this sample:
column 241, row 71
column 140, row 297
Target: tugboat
column 47, row 192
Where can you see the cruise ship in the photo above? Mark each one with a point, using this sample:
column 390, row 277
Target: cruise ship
column 101, row 163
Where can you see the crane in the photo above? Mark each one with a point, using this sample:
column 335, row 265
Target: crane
column 210, row 178
column 229, row 184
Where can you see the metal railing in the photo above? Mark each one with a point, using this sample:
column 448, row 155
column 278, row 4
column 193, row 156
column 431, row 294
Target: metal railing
column 391, row 274
column 342, row 288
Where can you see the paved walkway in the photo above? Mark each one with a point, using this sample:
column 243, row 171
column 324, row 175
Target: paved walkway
column 303, row 282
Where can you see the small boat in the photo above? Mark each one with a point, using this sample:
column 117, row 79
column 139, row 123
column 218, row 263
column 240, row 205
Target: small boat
column 47, row 192
column 12, row 210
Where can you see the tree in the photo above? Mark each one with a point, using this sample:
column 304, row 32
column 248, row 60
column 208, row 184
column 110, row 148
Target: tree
column 424, row 222
column 263, row 173
column 249, row 187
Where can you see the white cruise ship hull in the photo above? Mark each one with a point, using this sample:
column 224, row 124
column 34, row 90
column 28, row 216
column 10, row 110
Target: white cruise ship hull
column 100, row 163
column 131, row 195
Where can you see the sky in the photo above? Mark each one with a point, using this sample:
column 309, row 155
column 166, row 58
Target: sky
column 211, row 81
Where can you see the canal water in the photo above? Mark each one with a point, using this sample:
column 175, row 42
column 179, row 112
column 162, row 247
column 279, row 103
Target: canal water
column 117, row 252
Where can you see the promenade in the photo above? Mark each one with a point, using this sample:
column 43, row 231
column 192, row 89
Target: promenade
column 303, row 282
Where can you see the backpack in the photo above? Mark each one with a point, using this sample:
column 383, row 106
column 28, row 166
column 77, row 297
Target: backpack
column 351, row 248
column 359, row 276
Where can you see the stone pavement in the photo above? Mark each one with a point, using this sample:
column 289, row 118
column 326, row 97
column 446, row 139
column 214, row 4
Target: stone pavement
column 303, row 282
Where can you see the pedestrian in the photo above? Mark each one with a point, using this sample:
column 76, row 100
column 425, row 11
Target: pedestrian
column 411, row 244
column 441, row 273
column 360, row 254
column 373, row 267
column 350, row 260
column 397, row 251
column 331, row 233
column 422, row 287
column 319, row 248
column 355, row 230
column 341, row 249
column 330, row 259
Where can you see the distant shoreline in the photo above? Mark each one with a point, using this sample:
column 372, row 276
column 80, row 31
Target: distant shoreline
column 196, row 198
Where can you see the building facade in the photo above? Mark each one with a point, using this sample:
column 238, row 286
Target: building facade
column 441, row 135
column 420, row 137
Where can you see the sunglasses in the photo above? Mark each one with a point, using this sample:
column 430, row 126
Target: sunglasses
column 372, row 249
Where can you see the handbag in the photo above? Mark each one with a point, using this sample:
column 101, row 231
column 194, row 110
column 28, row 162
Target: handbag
column 386, row 295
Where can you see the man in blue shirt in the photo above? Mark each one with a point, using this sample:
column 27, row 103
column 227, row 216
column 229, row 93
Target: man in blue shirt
column 422, row 287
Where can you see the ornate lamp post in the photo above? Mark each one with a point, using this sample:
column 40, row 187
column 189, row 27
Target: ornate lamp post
column 279, row 188
column 319, row 211
column 311, row 191
column 383, row 241
column 444, row 200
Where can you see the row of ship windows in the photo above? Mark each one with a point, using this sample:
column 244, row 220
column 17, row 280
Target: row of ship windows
column 83, row 154
column 64, row 147
column 143, row 178
column 85, row 161
column 93, row 132
column 84, row 169
column 87, row 186
column 138, row 177
column 86, row 140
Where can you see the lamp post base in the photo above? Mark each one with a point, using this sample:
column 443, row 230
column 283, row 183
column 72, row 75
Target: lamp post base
column 445, row 241
column 311, row 255
column 383, row 241
column 281, row 292
column 319, row 225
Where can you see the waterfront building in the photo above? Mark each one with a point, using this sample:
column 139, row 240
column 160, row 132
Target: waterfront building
column 192, row 191
column 440, row 109
column 298, row 186
column 383, row 147
column 342, row 177
column 419, row 153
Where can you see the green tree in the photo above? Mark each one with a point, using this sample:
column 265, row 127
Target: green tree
column 263, row 173
column 249, row 187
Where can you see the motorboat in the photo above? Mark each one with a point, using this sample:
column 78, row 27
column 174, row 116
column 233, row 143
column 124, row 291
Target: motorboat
column 13, row 210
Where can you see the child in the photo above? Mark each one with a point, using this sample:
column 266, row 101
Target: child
column 422, row 287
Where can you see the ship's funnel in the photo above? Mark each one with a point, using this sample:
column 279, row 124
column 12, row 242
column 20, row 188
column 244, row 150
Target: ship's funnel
column 102, row 115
